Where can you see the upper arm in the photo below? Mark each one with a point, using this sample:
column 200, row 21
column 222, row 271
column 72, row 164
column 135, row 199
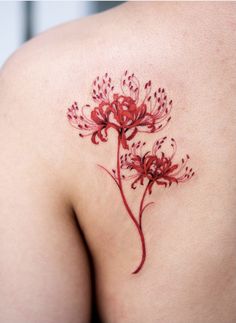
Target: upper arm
column 43, row 263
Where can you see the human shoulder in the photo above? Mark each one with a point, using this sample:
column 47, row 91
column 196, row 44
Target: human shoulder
column 37, row 85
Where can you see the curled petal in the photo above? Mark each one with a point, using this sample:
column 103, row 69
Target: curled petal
column 133, row 134
column 93, row 138
column 124, row 141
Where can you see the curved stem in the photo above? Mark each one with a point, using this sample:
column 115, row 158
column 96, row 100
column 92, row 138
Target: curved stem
column 129, row 210
column 141, row 208
column 144, row 208
column 109, row 173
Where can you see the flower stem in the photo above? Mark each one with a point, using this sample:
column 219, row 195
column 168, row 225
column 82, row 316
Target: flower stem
column 141, row 208
column 109, row 173
column 141, row 235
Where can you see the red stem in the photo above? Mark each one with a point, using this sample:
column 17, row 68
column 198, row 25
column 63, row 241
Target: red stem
column 141, row 208
column 104, row 168
column 141, row 235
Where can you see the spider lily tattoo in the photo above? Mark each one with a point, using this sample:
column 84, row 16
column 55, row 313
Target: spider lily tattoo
column 154, row 167
column 128, row 114
column 124, row 112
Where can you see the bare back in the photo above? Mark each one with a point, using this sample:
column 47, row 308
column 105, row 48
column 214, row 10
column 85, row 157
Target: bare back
column 187, row 49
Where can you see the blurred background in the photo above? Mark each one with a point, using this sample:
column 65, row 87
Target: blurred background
column 21, row 20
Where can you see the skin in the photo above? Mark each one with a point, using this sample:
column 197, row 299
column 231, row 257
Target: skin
column 51, row 189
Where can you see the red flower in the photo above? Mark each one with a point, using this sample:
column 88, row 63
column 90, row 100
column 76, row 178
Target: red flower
column 123, row 112
column 155, row 165
column 127, row 114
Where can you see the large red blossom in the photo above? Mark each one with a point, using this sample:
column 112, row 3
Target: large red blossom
column 155, row 166
column 125, row 111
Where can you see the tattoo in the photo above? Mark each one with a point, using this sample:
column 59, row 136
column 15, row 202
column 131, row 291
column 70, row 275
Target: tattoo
column 128, row 115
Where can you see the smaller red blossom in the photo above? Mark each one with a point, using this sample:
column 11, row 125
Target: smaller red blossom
column 155, row 166
column 123, row 111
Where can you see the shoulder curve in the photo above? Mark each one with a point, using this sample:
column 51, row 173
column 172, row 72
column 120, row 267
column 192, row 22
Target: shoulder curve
column 61, row 41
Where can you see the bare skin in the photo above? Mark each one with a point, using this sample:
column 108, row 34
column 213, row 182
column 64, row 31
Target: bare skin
column 48, row 172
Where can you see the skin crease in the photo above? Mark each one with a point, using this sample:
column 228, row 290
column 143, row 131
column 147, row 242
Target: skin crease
column 47, row 169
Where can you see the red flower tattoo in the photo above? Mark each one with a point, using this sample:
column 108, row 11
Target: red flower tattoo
column 154, row 167
column 124, row 112
column 128, row 116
